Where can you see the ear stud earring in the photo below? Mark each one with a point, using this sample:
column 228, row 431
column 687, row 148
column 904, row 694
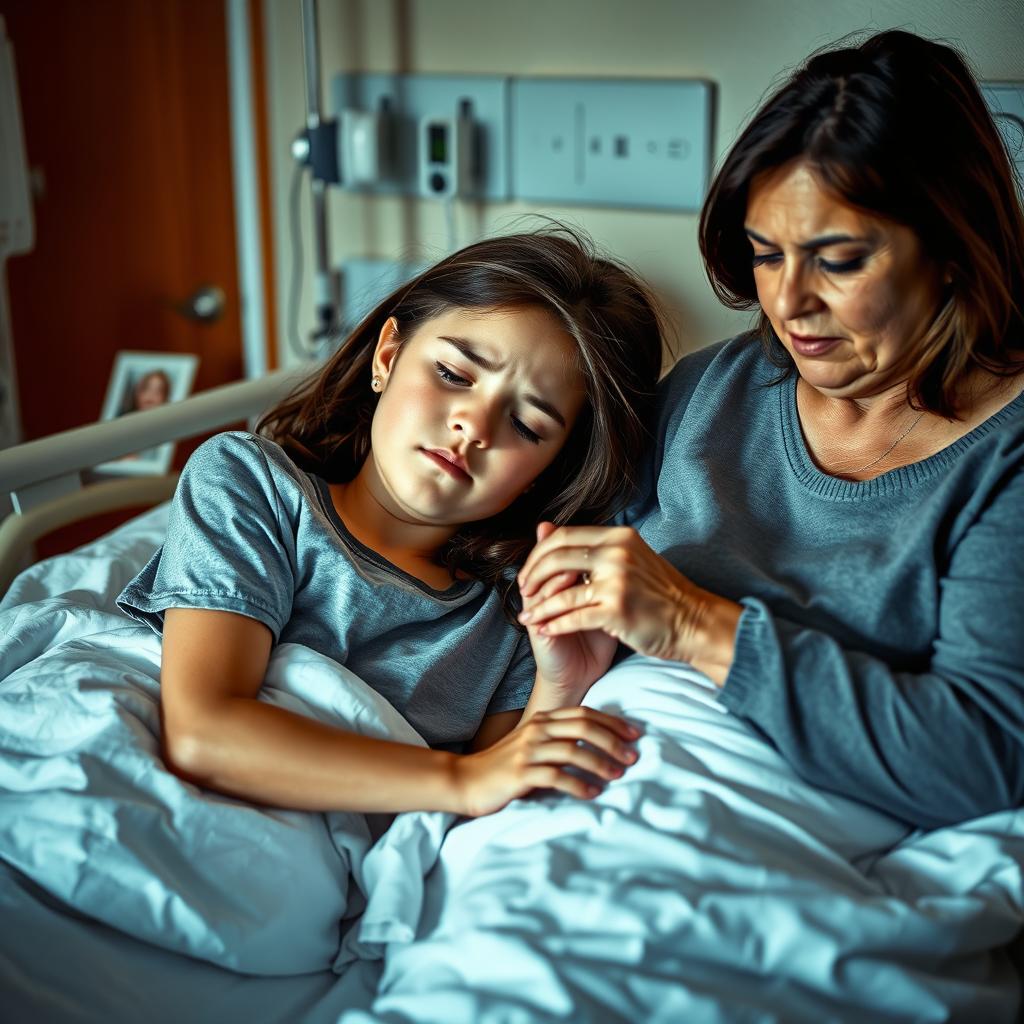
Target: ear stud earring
column 377, row 382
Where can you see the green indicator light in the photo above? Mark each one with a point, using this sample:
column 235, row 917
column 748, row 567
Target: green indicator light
column 438, row 144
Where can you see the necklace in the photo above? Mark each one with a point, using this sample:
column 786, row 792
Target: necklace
column 902, row 437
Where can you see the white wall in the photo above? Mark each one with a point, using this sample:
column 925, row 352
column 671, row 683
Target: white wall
column 744, row 46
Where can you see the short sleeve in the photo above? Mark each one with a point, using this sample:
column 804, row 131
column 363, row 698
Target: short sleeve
column 229, row 547
column 513, row 693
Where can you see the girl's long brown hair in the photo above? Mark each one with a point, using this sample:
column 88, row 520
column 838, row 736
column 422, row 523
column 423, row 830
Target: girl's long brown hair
column 897, row 127
column 324, row 425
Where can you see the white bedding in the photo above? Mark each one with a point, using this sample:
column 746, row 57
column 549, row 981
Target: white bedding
column 91, row 815
column 710, row 883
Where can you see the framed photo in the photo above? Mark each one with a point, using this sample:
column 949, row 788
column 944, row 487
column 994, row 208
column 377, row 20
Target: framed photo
column 144, row 380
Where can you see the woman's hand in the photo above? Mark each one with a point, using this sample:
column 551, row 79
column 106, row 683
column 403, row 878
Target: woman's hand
column 537, row 752
column 567, row 665
column 628, row 592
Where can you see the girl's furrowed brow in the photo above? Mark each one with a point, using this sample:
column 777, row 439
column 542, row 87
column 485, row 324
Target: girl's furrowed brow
column 466, row 348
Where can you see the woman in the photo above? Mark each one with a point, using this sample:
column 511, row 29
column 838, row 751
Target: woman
column 832, row 526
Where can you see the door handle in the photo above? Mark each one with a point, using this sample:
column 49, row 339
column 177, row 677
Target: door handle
column 205, row 305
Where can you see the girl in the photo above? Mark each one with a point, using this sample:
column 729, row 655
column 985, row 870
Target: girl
column 380, row 519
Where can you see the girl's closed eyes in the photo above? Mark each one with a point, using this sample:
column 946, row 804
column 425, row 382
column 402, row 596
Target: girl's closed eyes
column 449, row 376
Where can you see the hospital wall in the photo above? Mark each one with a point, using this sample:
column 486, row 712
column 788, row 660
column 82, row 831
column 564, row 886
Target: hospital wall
column 743, row 46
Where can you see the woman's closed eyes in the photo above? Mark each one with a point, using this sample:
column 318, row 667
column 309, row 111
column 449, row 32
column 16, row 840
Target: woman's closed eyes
column 844, row 267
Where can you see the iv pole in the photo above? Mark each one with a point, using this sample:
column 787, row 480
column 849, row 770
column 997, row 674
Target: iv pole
column 320, row 152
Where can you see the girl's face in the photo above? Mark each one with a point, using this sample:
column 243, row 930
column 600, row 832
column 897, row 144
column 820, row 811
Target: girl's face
column 475, row 405
column 850, row 296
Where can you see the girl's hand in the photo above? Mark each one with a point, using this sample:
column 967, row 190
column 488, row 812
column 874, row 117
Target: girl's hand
column 568, row 664
column 633, row 595
column 537, row 752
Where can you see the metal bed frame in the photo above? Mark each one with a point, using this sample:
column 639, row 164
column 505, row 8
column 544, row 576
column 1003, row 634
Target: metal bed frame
column 50, row 482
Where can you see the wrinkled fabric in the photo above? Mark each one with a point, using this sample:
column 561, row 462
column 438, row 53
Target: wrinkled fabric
column 90, row 813
column 709, row 883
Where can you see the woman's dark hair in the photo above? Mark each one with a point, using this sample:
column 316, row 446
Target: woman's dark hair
column 324, row 425
column 896, row 127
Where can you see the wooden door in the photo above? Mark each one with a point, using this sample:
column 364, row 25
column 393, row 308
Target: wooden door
column 125, row 106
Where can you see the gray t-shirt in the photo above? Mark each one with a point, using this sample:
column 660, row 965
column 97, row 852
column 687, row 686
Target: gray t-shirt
column 249, row 532
column 881, row 646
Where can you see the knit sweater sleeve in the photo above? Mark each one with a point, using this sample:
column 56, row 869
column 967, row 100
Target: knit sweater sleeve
column 933, row 746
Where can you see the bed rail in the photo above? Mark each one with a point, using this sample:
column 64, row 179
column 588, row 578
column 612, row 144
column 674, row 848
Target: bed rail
column 39, row 471
column 48, row 483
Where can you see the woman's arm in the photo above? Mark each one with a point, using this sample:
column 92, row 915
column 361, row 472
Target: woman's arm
column 216, row 733
column 936, row 742
column 934, row 746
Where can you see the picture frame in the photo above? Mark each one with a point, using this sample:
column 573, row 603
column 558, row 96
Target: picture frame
column 141, row 380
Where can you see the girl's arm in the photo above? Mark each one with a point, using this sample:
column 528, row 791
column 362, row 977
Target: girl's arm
column 495, row 727
column 216, row 733
column 567, row 665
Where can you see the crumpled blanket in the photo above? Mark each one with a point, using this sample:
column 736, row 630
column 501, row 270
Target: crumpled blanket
column 89, row 812
column 709, row 884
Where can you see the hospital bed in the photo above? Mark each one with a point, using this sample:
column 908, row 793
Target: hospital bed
column 708, row 884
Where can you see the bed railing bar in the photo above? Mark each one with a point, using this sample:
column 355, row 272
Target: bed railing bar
column 28, row 470
column 19, row 532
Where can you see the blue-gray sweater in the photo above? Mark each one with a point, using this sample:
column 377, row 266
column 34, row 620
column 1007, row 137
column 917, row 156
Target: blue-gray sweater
column 881, row 647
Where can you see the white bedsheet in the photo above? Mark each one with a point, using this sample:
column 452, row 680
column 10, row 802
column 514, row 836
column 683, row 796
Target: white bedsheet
column 710, row 883
column 90, row 814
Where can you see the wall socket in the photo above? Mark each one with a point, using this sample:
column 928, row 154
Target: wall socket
column 628, row 142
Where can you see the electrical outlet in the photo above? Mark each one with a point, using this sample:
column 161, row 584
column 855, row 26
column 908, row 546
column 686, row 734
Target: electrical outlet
column 1006, row 101
column 627, row 142
column 410, row 100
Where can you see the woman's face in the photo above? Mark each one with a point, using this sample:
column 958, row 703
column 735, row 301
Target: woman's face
column 850, row 296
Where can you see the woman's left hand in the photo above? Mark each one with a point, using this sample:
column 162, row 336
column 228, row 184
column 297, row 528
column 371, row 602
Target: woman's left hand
column 630, row 593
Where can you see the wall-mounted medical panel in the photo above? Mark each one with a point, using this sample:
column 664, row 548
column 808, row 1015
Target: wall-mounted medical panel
column 408, row 102
column 1006, row 101
column 616, row 142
